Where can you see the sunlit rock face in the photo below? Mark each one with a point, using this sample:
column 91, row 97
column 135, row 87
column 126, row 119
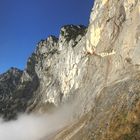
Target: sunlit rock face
column 114, row 27
column 52, row 71
column 110, row 92
column 98, row 68
column 56, row 65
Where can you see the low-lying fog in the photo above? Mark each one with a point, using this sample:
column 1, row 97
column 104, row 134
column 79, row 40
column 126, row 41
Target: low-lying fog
column 35, row 127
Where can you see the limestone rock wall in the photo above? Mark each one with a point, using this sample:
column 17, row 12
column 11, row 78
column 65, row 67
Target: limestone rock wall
column 109, row 96
column 96, row 68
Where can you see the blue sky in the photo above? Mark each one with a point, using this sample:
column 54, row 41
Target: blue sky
column 23, row 23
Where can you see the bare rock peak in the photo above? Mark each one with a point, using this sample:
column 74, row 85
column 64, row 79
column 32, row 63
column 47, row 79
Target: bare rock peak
column 72, row 31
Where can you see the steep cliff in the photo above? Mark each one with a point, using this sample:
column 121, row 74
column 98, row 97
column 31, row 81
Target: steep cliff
column 96, row 68
column 50, row 74
column 111, row 88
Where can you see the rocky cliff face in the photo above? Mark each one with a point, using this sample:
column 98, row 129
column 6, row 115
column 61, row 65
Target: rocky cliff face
column 111, row 87
column 50, row 73
column 8, row 84
column 98, row 67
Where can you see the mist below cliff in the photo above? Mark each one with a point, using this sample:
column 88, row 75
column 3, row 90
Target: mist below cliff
column 35, row 127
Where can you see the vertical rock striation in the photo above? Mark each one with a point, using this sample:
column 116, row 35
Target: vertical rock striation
column 111, row 88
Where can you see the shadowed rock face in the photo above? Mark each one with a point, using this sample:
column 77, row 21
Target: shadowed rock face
column 8, row 84
column 9, row 81
column 98, row 67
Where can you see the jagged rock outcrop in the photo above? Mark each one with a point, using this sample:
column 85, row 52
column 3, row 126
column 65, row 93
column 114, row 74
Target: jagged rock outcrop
column 51, row 70
column 9, row 80
column 55, row 66
column 8, row 84
column 98, row 67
